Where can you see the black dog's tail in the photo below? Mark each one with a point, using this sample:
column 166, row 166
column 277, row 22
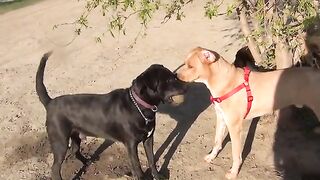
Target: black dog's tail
column 40, row 88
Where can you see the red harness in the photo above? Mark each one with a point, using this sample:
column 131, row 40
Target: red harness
column 245, row 84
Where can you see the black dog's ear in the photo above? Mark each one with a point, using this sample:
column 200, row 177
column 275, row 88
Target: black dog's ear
column 145, row 83
column 150, row 82
column 138, row 85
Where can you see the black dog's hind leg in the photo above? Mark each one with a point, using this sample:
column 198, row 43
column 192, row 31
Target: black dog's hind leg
column 58, row 133
column 148, row 147
column 75, row 148
column 134, row 159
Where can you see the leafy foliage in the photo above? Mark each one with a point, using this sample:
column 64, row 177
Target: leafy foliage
column 117, row 12
column 273, row 21
column 270, row 21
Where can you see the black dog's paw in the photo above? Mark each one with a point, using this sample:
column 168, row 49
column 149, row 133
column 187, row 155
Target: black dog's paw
column 130, row 176
column 164, row 174
column 160, row 177
column 155, row 175
column 87, row 162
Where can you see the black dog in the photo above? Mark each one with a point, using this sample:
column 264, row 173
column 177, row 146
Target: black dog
column 125, row 115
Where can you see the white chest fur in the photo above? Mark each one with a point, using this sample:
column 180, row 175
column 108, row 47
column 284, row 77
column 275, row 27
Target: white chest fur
column 150, row 132
column 220, row 112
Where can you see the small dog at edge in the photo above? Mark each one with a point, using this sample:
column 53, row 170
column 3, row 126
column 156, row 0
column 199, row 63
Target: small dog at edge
column 125, row 115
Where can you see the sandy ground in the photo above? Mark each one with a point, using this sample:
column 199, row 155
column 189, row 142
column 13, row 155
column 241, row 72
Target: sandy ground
column 184, row 134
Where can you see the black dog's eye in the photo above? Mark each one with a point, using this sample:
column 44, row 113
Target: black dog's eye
column 172, row 79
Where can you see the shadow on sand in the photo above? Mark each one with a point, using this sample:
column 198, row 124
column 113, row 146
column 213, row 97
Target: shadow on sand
column 297, row 145
column 196, row 101
column 93, row 158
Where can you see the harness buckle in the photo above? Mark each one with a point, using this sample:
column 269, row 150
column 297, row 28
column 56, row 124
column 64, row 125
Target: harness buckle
column 215, row 100
column 250, row 98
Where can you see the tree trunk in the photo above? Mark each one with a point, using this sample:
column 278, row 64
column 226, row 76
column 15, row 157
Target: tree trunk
column 284, row 58
column 254, row 49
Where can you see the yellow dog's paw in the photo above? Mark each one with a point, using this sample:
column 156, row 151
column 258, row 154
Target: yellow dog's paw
column 208, row 158
column 212, row 155
column 231, row 175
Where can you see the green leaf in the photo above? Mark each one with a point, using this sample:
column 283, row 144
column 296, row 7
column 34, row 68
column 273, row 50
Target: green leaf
column 98, row 40
column 211, row 10
column 230, row 9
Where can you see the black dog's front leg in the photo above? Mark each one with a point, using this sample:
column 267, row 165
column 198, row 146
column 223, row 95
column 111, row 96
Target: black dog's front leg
column 148, row 146
column 134, row 159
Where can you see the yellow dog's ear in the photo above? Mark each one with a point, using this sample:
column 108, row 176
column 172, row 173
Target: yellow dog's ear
column 207, row 57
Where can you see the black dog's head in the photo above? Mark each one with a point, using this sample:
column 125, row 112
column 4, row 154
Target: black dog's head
column 158, row 84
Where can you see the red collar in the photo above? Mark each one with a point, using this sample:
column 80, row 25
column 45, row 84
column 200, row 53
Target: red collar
column 245, row 84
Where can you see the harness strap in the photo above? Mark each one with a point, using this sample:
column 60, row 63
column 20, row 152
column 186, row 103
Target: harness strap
column 245, row 85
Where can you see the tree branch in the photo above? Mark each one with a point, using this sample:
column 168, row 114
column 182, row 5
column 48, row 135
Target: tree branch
column 254, row 49
column 316, row 5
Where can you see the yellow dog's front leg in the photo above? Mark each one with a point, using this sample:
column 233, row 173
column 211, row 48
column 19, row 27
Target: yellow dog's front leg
column 235, row 128
column 220, row 132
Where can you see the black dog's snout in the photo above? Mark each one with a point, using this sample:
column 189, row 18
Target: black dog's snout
column 183, row 86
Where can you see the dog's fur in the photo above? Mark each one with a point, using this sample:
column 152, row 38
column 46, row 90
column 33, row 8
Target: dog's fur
column 271, row 90
column 244, row 58
column 112, row 115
